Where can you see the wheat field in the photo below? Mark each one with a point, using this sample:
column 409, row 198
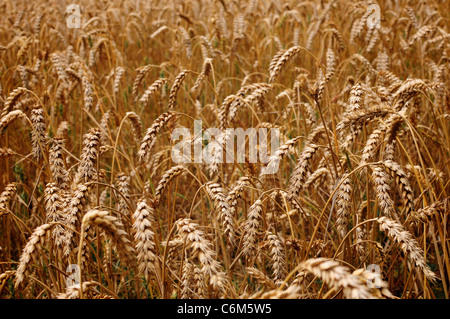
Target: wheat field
column 93, row 205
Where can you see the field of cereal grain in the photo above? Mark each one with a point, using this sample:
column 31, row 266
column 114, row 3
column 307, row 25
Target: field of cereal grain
column 99, row 98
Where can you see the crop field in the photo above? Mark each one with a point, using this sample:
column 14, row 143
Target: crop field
column 224, row 149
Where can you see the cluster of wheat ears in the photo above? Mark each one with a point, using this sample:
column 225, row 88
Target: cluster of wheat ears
column 92, row 204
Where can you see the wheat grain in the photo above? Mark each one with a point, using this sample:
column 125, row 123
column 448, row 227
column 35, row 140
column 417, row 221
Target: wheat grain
column 251, row 228
column 154, row 87
column 206, row 69
column 280, row 61
column 343, row 212
column 175, row 88
column 118, row 74
column 217, row 193
column 6, row 195
column 274, row 159
column 167, row 177
column 54, row 209
column 6, row 152
column 29, row 252
column 277, row 256
column 151, row 133
column 236, row 192
column 292, row 292
column 186, row 280
column 73, row 215
column 89, row 154
column 401, row 179
column 408, row 244
column 141, row 72
column 114, row 228
column 38, row 138
column 337, row 276
column 57, row 163
column 299, row 174
column 123, row 186
column 144, row 219
column 8, row 118
column 73, row 292
column 202, row 250
column 260, row 277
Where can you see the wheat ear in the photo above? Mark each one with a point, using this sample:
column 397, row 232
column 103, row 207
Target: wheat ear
column 144, row 219
column 114, row 228
column 202, row 249
column 408, row 244
column 167, row 177
column 337, row 276
column 251, row 228
column 91, row 143
column 175, row 88
column 150, row 136
column 217, row 193
column 29, row 253
column 6, row 196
